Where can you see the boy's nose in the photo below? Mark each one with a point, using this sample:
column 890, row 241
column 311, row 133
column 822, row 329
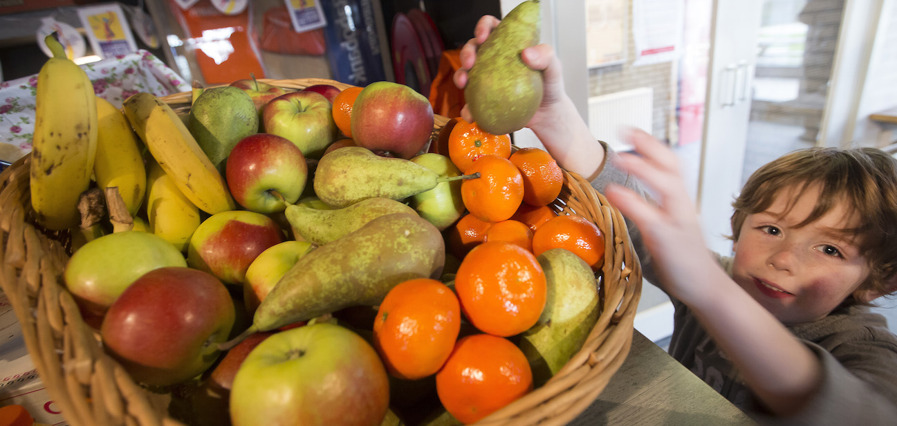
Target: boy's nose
column 783, row 259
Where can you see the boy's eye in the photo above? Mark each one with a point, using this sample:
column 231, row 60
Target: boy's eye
column 831, row 250
column 771, row 230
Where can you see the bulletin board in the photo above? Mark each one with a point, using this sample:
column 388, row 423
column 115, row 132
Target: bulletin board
column 606, row 35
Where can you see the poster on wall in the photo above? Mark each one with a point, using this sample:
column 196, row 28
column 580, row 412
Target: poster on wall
column 656, row 30
column 107, row 30
column 606, row 32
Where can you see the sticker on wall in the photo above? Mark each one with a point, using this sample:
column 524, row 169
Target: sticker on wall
column 68, row 36
column 230, row 7
column 108, row 30
column 306, row 14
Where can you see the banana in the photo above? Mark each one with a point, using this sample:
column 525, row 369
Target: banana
column 65, row 140
column 118, row 159
column 175, row 149
column 170, row 214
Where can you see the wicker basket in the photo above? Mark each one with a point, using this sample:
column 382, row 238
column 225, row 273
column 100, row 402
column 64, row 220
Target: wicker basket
column 92, row 389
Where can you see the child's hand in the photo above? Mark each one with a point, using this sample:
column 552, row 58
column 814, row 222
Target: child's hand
column 670, row 228
column 540, row 58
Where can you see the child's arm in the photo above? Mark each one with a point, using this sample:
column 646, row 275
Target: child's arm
column 781, row 371
column 556, row 123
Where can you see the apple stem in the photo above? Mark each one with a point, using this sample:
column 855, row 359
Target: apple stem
column 279, row 196
column 462, row 177
column 226, row 346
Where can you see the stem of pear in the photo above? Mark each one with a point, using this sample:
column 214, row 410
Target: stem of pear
column 462, row 177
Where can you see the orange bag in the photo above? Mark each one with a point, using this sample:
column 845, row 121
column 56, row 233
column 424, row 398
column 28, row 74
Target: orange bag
column 446, row 98
column 278, row 35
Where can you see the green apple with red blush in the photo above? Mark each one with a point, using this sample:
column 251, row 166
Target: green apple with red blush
column 226, row 243
column 166, row 327
column 266, row 172
column 392, row 119
column 269, row 267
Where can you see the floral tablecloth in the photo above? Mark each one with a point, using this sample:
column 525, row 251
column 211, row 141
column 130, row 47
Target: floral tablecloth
column 113, row 79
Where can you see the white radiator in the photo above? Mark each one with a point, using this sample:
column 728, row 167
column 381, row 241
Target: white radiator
column 629, row 108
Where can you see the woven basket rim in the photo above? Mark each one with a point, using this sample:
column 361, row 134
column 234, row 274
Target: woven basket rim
column 91, row 388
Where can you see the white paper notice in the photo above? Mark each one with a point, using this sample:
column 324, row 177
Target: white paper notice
column 656, row 29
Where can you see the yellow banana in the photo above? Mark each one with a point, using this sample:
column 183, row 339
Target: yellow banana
column 64, row 142
column 175, row 149
column 171, row 215
column 118, row 159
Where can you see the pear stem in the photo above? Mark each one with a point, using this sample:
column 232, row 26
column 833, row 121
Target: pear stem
column 226, row 346
column 462, row 177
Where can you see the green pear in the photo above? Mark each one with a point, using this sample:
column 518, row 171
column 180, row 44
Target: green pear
column 355, row 270
column 321, row 226
column 351, row 174
column 219, row 118
column 571, row 311
column 502, row 93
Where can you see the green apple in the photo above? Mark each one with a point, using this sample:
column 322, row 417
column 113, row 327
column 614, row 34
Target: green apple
column 442, row 205
column 102, row 269
column 268, row 268
column 319, row 374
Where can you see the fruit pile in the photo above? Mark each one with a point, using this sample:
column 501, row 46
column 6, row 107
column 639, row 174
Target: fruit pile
column 317, row 255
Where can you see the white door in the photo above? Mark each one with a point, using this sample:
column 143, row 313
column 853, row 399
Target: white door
column 727, row 111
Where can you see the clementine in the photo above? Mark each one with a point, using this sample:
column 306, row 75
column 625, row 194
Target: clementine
column 465, row 234
column 342, row 109
column 498, row 191
column 467, row 143
column 501, row 287
column 416, row 327
column 572, row 232
column 543, row 179
column 511, row 231
column 483, row 374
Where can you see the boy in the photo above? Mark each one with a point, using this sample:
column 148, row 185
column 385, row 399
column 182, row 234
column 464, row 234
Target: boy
column 781, row 328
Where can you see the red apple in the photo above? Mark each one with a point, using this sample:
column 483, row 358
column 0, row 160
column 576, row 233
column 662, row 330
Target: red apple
column 316, row 374
column 222, row 376
column 265, row 172
column 226, row 243
column 303, row 117
column 329, row 91
column 260, row 92
column 165, row 328
column 392, row 118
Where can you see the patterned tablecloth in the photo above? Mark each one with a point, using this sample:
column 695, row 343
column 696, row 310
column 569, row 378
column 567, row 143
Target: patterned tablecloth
column 113, row 79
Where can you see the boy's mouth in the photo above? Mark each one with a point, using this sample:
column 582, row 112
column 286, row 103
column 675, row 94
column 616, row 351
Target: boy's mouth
column 771, row 290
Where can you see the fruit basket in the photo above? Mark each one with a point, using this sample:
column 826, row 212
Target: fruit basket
column 91, row 388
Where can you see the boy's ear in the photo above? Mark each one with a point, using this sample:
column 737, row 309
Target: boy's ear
column 867, row 296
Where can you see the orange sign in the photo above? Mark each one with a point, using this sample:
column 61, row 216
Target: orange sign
column 223, row 47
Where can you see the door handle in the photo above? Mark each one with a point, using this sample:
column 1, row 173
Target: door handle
column 727, row 86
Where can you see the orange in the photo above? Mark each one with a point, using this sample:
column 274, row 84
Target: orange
column 533, row 216
column 574, row 233
column 465, row 234
column 416, row 327
column 497, row 193
column 542, row 177
column 501, row 287
column 342, row 109
column 483, row 374
column 467, row 143
column 512, row 231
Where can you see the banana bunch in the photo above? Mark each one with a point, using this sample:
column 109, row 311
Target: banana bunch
column 177, row 152
column 170, row 214
column 119, row 162
column 65, row 140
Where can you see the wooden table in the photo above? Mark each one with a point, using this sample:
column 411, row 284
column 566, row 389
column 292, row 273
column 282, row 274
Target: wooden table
column 652, row 388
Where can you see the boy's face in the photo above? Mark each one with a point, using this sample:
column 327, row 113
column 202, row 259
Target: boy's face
column 798, row 274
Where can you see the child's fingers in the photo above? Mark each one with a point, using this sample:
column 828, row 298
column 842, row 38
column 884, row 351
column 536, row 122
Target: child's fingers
column 484, row 27
column 632, row 205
